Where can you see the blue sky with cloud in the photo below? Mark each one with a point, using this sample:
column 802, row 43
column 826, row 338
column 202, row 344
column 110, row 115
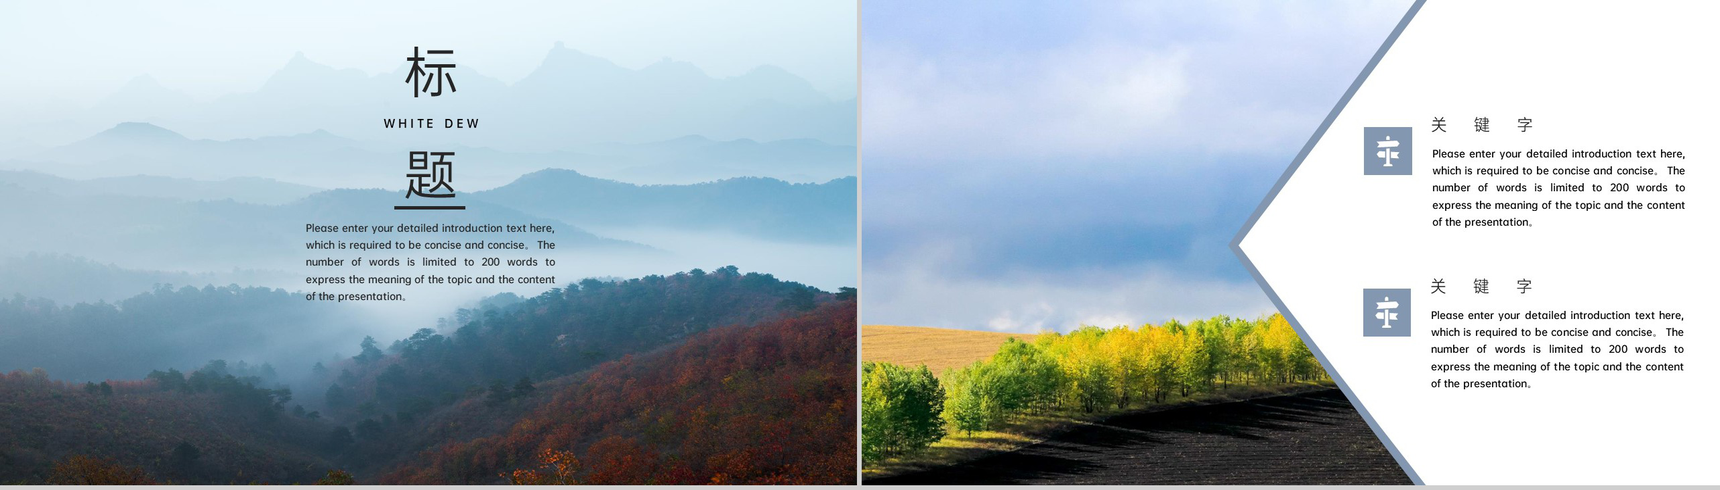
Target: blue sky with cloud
column 1042, row 165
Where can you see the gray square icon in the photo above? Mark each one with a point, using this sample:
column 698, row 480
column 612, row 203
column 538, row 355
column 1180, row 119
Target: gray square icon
column 1386, row 151
column 1385, row 313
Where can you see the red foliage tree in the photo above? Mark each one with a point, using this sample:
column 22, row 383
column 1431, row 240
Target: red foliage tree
column 85, row 470
column 771, row 403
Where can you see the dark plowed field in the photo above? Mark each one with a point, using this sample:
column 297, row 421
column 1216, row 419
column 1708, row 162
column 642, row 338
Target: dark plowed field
column 1308, row 438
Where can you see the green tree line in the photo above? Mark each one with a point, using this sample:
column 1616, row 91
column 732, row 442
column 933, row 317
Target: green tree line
column 1088, row 370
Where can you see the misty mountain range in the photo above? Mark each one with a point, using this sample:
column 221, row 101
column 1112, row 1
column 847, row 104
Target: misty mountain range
column 66, row 279
column 757, row 207
column 175, row 234
column 756, row 170
column 571, row 98
column 253, row 190
column 761, row 207
column 323, row 159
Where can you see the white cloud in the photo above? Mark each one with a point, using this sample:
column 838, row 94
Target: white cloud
column 1084, row 100
column 1135, row 78
column 1095, row 122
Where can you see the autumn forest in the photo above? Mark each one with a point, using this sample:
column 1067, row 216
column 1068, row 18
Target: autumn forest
column 695, row 377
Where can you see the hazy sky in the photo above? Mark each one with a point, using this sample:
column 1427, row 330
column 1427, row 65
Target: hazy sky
column 66, row 49
column 1041, row 165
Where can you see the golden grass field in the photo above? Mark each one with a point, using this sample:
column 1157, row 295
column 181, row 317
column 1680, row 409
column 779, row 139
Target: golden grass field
column 937, row 348
column 941, row 349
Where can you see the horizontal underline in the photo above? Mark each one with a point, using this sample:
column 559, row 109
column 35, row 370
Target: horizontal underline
column 431, row 207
